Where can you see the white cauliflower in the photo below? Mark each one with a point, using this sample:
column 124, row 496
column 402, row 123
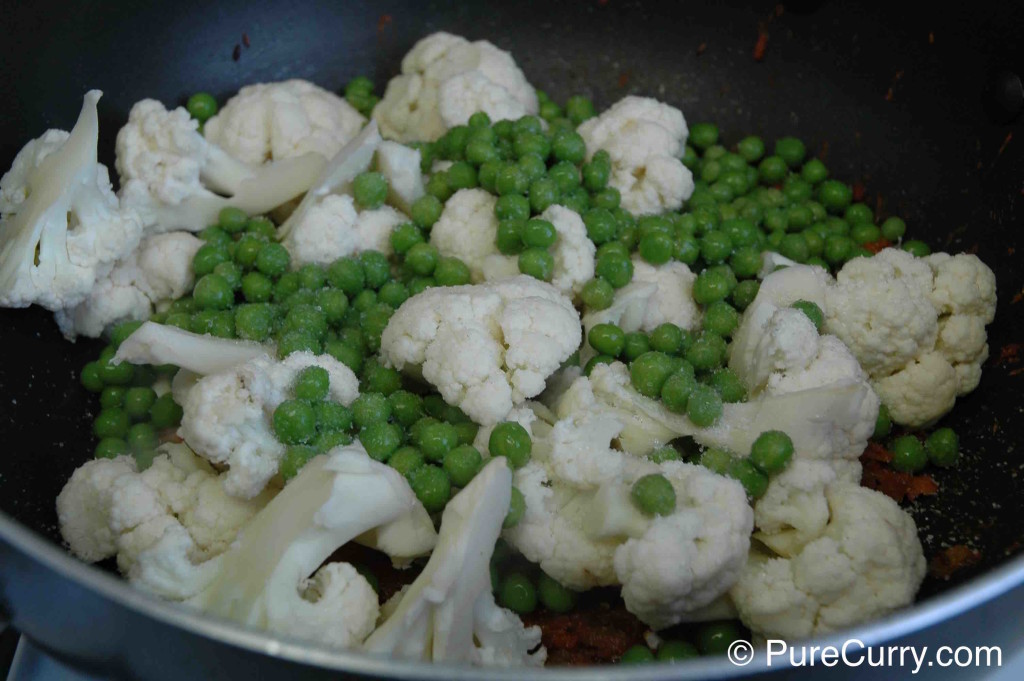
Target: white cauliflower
column 573, row 252
column 645, row 139
column 61, row 227
column 582, row 528
column 271, row 121
column 159, row 271
column 865, row 563
column 195, row 353
column 227, row 415
column 486, row 347
column 445, row 79
column 448, row 614
column 176, row 179
column 400, row 166
column 334, row 228
column 916, row 325
column 109, row 507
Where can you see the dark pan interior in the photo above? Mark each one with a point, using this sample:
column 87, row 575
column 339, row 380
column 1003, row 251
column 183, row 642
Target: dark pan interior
column 892, row 98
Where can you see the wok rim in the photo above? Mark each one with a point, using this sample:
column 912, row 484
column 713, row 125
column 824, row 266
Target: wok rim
column 918, row 617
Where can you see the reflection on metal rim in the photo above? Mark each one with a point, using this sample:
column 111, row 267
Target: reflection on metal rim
column 914, row 619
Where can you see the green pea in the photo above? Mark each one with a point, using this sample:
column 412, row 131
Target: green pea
column 466, row 431
column 462, row 463
column 213, row 292
column 638, row 654
column 703, row 135
column 883, row 423
column 420, row 284
column 518, row 593
column 710, row 286
column 744, row 293
column 917, row 248
column 707, row 352
column 720, row 318
column 111, row 423
column 332, row 416
column 636, row 344
column 461, row 175
column 431, row 486
column 728, row 385
column 771, row 452
column 142, row 438
column 568, row 146
column 716, row 460
column 405, row 236
column 295, row 457
column 406, row 459
column 112, row 396
column 294, row 422
column 614, row 268
column 510, row 180
column 537, row 263
column 835, row 195
column 137, row 402
column 298, row 340
column 422, row 259
column 512, row 441
column 553, row 595
column 815, row 244
column 663, row 454
column 207, row 257
column 437, row 439
column 894, row 228
column 676, row 390
column 608, row 198
column 657, row 248
column 426, row 210
column 516, row 509
column 672, row 651
column 751, row 149
column 480, row 151
column 254, row 321
column 542, row 194
column 370, row 408
column 286, row 286
column 607, row 339
column 649, row 371
column 838, row 249
column 91, row 377
column 381, row 439
column 393, row 293
column 201, row 106
column 690, row 158
column 594, row 361
column 597, row 294
column 111, row 448
column 273, row 260
column 165, row 412
column 115, row 374
column 791, row 150
column 667, row 338
column 814, row 171
column 312, row 384
column 908, row 454
column 746, row 261
column 714, row 638
column 865, row 232
column 565, row 175
column 370, row 190
column 943, row 447
column 812, row 311
column 704, row 406
column 772, row 170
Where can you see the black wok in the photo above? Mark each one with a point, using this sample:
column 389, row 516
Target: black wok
column 915, row 106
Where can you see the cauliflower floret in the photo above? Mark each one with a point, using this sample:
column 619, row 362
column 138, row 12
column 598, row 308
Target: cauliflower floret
column 582, row 528
column 449, row 613
column 881, row 309
column 486, row 347
column 645, row 139
column 109, row 508
column 158, row 272
column 672, row 302
column 573, row 252
column 269, row 121
column 227, row 415
column 61, row 227
column 833, row 363
column 176, row 179
column 788, row 343
column 921, row 391
column 400, row 166
column 444, row 80
column 866, row 563
column 917, row 326
column 333, row 228
column 467, row 229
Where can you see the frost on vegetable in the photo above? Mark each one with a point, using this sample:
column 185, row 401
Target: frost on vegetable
column 486, row 347
column 177, row 179
column 61, row 227
column 273, row 121
column 445, row 79
column 448, row 614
